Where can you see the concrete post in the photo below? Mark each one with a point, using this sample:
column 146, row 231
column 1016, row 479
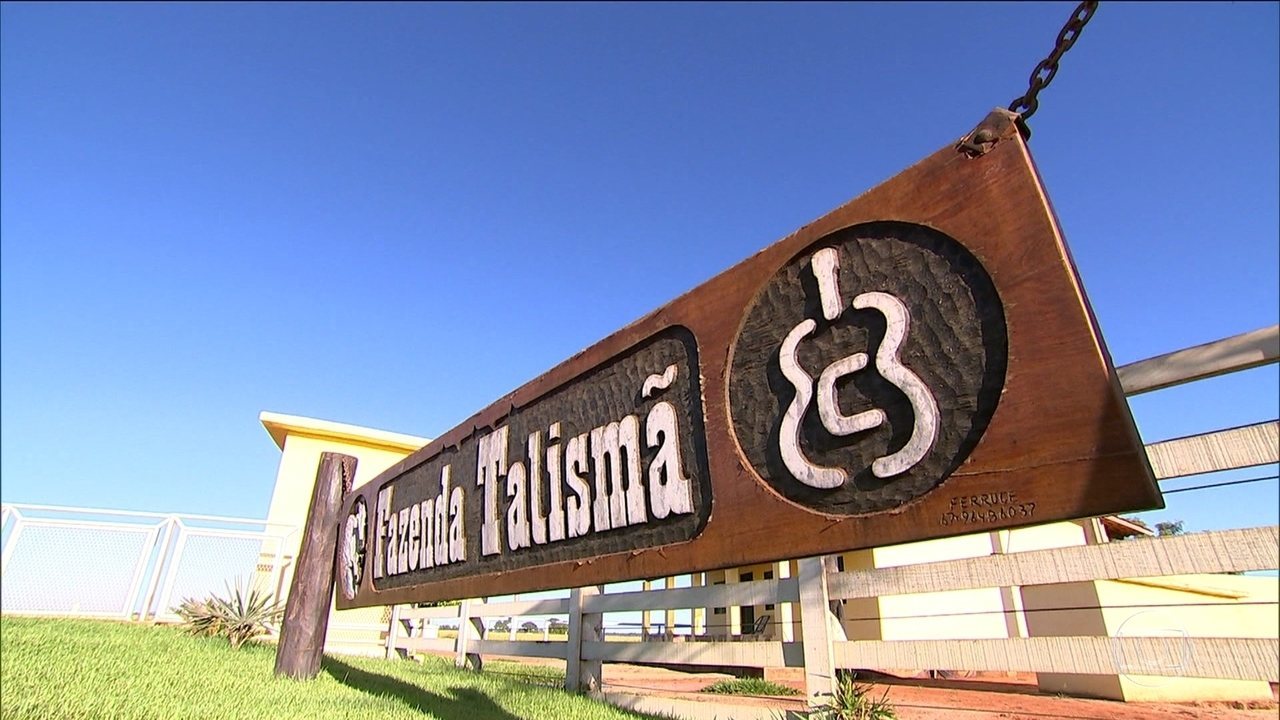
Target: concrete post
column 819, row 667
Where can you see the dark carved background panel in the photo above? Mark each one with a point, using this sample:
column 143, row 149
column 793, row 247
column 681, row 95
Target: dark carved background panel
column 956, row 343
column 605, row 394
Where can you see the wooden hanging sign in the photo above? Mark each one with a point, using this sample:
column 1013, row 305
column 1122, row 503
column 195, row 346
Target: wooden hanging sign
column 919, row 363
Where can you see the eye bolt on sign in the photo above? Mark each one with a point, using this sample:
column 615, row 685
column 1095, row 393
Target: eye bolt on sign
column 921, row 362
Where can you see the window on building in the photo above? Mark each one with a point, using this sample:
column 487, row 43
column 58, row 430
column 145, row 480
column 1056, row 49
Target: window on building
column 768, row 575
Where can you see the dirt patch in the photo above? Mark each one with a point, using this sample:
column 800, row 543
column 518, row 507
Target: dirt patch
column 1007, row 697
column 998, row 696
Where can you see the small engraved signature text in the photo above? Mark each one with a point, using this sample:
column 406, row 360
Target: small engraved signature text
column 987, row 508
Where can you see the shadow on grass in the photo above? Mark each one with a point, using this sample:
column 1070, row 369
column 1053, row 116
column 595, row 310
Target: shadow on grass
column 466, row 703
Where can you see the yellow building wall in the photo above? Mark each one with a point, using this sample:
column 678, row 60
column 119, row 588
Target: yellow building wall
column 301, row 441
column 1044, row 537
column 958, row 614
column 952, row 615
column 784, row 618
column 1173, row 607
column 296, row 477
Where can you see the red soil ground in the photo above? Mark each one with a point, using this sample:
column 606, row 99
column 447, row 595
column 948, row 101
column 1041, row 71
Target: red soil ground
column 1007, row 698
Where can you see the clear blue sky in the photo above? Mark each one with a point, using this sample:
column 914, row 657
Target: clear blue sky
column 389, row 215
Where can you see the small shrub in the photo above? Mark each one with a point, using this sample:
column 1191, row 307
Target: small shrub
column 245, row 613
column 749, row 686
column 853, row 701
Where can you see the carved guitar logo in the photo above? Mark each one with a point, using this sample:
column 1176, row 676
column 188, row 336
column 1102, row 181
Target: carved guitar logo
column 825, row 264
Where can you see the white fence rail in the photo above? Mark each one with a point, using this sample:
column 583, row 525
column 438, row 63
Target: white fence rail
column 1227, row 551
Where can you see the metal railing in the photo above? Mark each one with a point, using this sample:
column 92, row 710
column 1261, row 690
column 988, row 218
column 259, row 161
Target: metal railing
column 94, row 562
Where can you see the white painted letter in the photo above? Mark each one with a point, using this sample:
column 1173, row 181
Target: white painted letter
column 555, row 471
column 380, row 542
column 517, row 514
column 415, row 536
column 457, row 539
column 428, row 535
column 442, row 517
column 393, row 544
column 491, row 464
column 537, row 519
column 615, row 448
column 669, row 488
column 402, row 566
column 579, row 515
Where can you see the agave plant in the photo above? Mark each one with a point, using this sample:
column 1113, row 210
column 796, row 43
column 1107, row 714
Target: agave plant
column 201, row 617
column 245, row 613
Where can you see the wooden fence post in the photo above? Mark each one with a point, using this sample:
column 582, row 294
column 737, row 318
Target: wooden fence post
column 306, row 615
column 393, row 631
column 819, row 668
column 469, row 628
column 582, row 675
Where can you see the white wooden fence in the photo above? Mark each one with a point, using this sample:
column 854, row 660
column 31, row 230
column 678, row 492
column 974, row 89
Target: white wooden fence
column 821, row 651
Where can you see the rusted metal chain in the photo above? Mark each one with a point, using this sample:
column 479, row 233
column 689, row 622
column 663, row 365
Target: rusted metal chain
column 1025, row 105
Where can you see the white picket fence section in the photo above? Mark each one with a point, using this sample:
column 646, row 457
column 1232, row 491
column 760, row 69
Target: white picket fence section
column 1212, row 552
column 821, row 652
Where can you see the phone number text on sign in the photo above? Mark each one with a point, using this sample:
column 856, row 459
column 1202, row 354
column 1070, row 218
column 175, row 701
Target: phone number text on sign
column 987, row 508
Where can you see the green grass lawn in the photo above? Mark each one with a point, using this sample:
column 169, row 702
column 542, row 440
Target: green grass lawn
column 55, row 668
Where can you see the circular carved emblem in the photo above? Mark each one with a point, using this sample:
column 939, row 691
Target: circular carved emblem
column 867, row 369
column 353, row 548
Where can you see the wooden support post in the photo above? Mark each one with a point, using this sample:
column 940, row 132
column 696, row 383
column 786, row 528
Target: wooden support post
column 306, row 615
column 582, row 675
column 469, row 628
column 819, row 668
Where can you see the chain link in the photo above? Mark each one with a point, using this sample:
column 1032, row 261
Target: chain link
column 1044, row 73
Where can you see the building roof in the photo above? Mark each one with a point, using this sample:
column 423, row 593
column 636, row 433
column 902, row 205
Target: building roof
column 280, row 426
column 1118, row 527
